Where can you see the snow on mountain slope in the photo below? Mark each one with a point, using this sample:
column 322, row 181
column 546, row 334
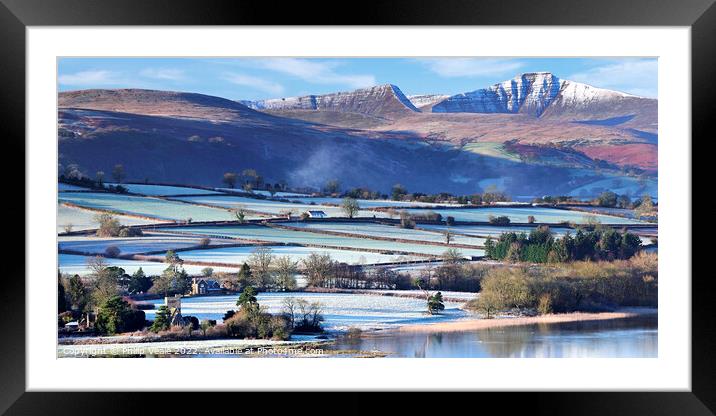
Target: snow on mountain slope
column 539, row 93
column 378, row 100
column 426, row 100
column 528, row 93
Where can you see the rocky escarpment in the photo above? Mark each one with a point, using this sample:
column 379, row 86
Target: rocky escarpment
column 529, row 93
column 379, row 100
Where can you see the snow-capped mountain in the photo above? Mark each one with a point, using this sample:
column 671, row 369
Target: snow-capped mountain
column 533, row 93
column 378, row 100
column 426, row 100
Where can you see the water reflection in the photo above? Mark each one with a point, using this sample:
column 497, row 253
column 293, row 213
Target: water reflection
column 633, row 337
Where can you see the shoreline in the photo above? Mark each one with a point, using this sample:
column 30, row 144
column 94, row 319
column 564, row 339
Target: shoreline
column 472, row 324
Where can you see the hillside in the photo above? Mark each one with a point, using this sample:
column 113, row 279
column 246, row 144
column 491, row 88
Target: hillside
column 192, row 138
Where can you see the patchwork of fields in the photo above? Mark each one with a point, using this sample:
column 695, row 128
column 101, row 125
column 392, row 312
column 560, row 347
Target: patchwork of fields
column 341, row 311
column 520, row 215
column 225, row 246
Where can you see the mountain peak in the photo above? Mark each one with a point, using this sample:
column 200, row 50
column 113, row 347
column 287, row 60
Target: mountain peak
column 380, row 100
column 532, row 93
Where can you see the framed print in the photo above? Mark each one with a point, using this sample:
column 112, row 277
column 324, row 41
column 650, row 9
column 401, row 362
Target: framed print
column 454, row 198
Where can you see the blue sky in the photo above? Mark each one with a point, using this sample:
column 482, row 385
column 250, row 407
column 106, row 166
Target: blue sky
column 260, row 78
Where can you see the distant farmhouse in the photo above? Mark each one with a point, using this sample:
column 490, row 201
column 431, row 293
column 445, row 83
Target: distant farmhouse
column 204, row 286
column 317, row 214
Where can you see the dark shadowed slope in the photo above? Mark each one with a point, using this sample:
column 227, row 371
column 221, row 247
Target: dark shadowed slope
column 193, row 138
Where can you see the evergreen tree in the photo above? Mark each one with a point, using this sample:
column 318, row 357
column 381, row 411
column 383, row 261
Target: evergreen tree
column 247, row 301
column 435, row 303
column 115, row 316
column 139, row 282
column 61, row 299
column 245, row 277
column 162, row 319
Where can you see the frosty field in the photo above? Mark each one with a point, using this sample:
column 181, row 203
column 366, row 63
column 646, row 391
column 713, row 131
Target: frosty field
column 150, row 207
column 163, row 190
column 81, row 219
column 131, row 245
column 279, row 194
column 261, row 233
column 67, row 187
column 365, row 203
column 380, row 230
column 519, row 215
column 76, row 264
column 272, row 207
column 488, row 230
column 239, row 255
column 340, row 310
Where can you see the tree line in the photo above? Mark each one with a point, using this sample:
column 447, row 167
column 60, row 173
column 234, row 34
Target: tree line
column 540, row 246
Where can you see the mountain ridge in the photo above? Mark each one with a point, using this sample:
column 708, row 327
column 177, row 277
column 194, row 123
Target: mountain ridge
column 382, row 99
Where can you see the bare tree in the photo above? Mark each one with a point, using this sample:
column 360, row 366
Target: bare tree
column 229, row 179
column 350, row 207
column 260, row 262
column 240, row 213
column 118, row 173
column 286, row 270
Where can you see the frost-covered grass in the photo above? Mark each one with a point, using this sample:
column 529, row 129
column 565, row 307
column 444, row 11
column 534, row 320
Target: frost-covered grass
column 210, row 347
column 67, row 187
column 131, row 245
column 272, row 207
column 519, row 215
column 261, row 233
column 380, row 230
column 487, row 230
column 151, row 207
column 75, row 264
column 84, row 220
column 366, row 203
column 266, row 193
column 495, row 232
column 629, row 213
column 162, row 190
column 462, row 296
column 341, row 311
column 239, row 255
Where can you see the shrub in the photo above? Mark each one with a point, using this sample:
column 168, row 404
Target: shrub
column 130, row 232
column 112, row 251
column 406, row 221
column 565, row 287
column 108, row 225
column 544, row 304
column 501, row 220
column 257, row 324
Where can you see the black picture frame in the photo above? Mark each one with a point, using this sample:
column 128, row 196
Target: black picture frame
column 16, row 15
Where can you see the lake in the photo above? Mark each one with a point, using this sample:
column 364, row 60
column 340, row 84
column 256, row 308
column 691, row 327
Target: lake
column 617, row 338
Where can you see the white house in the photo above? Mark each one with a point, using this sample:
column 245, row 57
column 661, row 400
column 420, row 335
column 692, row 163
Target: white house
column 317, row 214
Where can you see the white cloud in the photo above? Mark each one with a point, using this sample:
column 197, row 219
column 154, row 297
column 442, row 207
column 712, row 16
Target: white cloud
column 317, row 72
column 471, row 67
column 90, row 78
column 168, row 74
column 638, row 77
column 255, row 83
